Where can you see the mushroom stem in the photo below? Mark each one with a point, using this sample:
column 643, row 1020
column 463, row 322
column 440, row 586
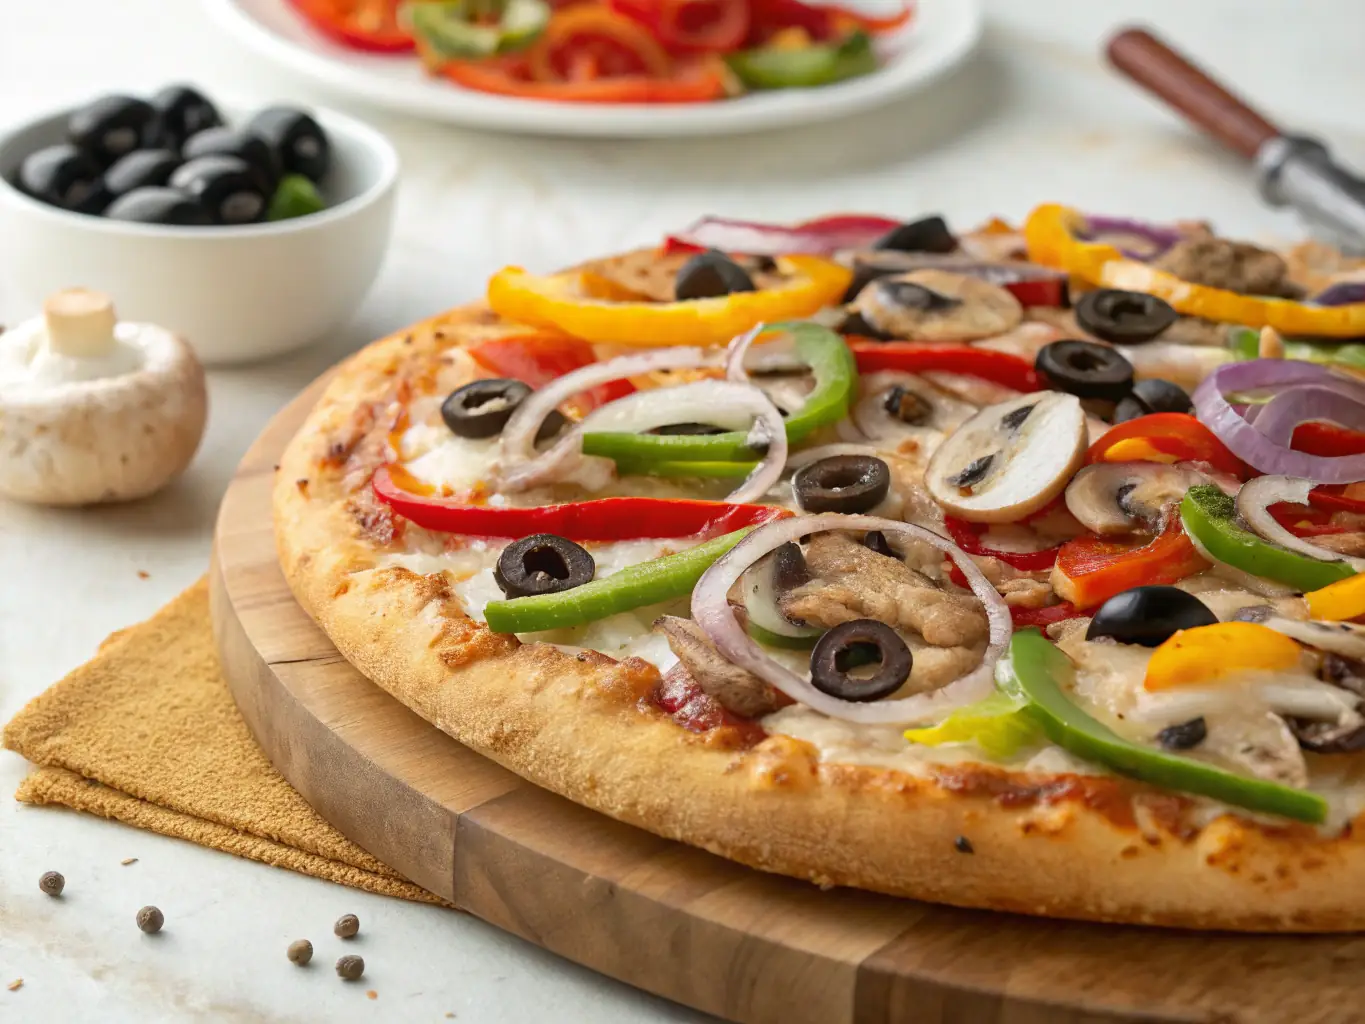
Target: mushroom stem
column 80, row 322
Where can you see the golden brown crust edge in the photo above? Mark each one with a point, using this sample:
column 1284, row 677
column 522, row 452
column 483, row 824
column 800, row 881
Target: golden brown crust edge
column 1062, row 846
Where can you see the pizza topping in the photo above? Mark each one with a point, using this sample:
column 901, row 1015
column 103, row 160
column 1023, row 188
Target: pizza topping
column 1009, row 459
column 929, row 234
column 542, row 564
column 1254, row 501
column 1148, row 615
column 482, row 408
column 1111, row 498
column 823, row 237
column 1085, row 369
column 709, row 275
column 1183, row 735
column 1164, row 437
column 1090, row 569
column 842, row 483
column 898, row 407
column 1344, row 599
column 711, row 610
column 935, row 305
column 1210, row 519
column 737, row 690
column 1233, row 266
column 999, row 725
column 1153, row 395
column 853, row 645
column 764, row 585
column 1124, row 318
column 1043, row 675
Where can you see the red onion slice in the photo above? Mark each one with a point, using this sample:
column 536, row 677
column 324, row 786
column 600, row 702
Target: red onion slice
column 1302, row 403
column 822, row 237
column 1253, row 505
column 711, row 610
column 522, row 467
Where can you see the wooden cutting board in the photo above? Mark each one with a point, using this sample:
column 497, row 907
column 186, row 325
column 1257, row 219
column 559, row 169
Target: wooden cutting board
column 746, row 946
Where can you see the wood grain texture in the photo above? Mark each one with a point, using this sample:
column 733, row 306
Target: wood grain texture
column 676, row 921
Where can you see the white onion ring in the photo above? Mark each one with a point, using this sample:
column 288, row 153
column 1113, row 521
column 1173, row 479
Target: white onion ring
column 825, row 451
column 1253, row 505
column 521, row 466
column 735, row 353
column 711, row 610
column 1307, row 699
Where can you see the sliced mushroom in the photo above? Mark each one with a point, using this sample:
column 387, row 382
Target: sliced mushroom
column 1120, row 497
column 1010, row 459
column 1259, row 743
column 737, row 690
column 897, row 407
column 934, row 305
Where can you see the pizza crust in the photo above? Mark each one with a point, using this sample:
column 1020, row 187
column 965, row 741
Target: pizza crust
column 1062, row 845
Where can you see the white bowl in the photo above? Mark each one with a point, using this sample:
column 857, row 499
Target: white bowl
column 235, row 293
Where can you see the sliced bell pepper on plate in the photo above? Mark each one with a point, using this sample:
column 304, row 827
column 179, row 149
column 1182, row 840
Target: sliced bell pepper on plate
column 698, row 82
column 561, row 301
column 1090, row 570
column 1167, row 437
column 590, row 42
column 782, row 67
column 1205, row 654
column 369, row 25
column 691, row 26
column 1003, row 368
column 474, row 29
column 636, row 586
column 537, row 359
column 819, row 21
column 603, row 519
column 1045, row 677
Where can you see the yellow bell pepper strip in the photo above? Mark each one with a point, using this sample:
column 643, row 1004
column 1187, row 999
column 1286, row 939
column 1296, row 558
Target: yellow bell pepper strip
column 1338, row 601
column 562, row 301
column 1038, row 671
column 1208, row 653
column 997, row 724
column 1052, row 234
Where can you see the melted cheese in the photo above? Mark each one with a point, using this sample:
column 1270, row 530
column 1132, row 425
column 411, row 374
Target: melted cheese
column 451, row 464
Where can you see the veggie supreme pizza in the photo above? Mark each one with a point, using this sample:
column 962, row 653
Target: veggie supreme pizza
column 1015, row 569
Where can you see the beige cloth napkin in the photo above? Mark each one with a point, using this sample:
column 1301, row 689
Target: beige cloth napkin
column 147, row 733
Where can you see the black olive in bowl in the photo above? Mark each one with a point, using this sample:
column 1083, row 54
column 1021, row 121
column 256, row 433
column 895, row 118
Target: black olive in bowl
column 63, row 176
column 155, row 204
column 141, row 168
column 224, row 185
column 111, row 127
column 299, row 143
column 235, row 142
column 183, row 111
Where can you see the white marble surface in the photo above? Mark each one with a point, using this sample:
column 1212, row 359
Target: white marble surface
column 1034, row 117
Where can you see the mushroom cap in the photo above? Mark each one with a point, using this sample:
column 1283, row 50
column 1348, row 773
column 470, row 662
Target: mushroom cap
column 935, row 305
column 124, row 434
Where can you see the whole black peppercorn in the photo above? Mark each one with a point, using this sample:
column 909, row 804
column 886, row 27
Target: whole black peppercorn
column 150, row 920
column 300, row 952
column 52, row 883
column 350, row 968
column 963, row 845
column 347, row 926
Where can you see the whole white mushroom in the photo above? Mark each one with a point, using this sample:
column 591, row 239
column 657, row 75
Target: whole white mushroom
column 93, row 410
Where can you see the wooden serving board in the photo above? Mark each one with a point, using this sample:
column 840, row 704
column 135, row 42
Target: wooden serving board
column 746, row 946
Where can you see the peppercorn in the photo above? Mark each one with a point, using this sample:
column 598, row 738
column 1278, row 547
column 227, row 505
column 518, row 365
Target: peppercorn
column 52, row 883
column 350, row 968
column 964, row 845
column 300, row 952
column 150, row 920
column 347, row 926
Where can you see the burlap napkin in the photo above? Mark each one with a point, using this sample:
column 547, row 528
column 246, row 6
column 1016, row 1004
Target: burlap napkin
column 147, row 733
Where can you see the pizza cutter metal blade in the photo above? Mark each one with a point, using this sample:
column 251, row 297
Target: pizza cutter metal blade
column 1293, row 170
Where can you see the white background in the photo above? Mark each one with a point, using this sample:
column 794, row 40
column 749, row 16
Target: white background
column 1034, row 117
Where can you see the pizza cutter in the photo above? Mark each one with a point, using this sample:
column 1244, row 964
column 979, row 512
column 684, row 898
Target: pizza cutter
column 1293, row 170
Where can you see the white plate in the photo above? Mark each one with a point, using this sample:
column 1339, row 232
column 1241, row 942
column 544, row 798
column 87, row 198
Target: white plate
column 942, row 34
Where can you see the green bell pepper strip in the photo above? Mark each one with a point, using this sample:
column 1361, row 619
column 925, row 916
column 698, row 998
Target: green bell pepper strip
column 1039, row 672
column 999, row 725
column 475, row 29
column 774, row 67
column 725, row 470
column 1245, row 344
column 639, row 585
column 1210, row 518
column 836, row 380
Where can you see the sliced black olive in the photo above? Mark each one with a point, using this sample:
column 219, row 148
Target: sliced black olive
column 1149, row 615
column 111, row 127
column 158, row 205
column 184, row 112
column 482, row 408
column 789, row 568
column 1085, row 369
column 907, row 406
column 225, row 186
column 688, row 430
column 300, row 144
column 973, row 472
column 140, row 169
column 63, row 176
column 709, row 275
column 1124, row 318
column 845, row 646
column 542, row 564
column 876, row 541
column 842, row 483
column 1183, row 735
column 1149, row 396
column 1327, row 737
column 254, row 152
column 928, row 235
column 910, row 295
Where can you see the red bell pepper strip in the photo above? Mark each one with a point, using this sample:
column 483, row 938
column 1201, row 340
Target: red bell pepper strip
column 1327, row 440
column 1090, row 570
column 1023, row 618
column 967, row 536
column 822, row 237
column 537, row 359
column 697, row 83
column 591, row 42
column 1002, row 368
column 601, row 519
column 1165, row 437
column 691, row 26
column 821, row 22
column 369, row 25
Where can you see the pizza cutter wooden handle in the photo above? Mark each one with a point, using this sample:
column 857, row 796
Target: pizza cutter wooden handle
column 1166, row 74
